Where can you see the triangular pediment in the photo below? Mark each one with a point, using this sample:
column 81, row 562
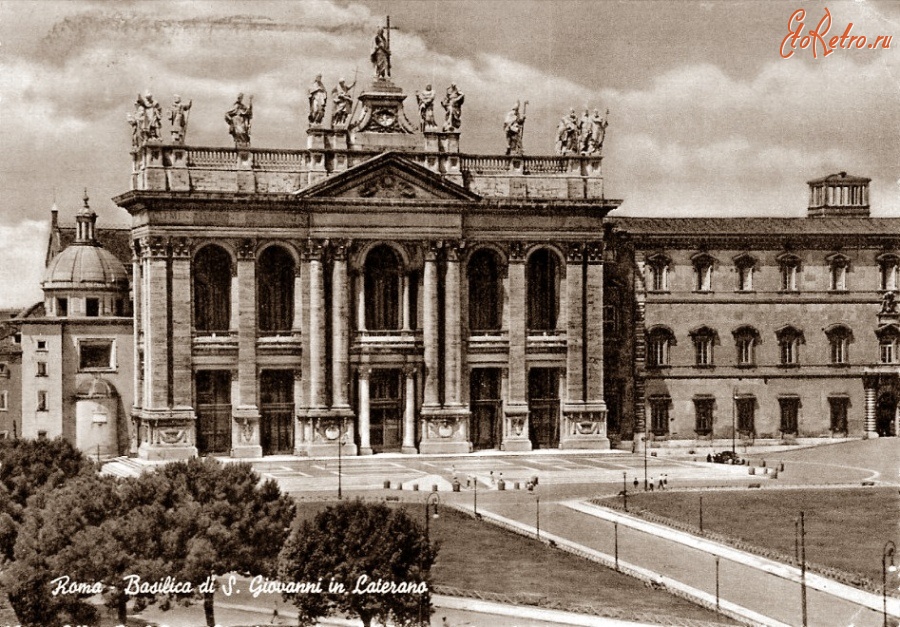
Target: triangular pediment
column 388, row 176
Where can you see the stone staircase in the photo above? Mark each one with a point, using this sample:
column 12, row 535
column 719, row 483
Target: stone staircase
column 123, row 467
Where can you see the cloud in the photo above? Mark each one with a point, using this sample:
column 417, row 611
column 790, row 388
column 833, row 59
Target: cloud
column 22, row 248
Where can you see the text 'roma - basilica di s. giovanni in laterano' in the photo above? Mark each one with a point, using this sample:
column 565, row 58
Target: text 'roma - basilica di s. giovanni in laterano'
column 382, row 291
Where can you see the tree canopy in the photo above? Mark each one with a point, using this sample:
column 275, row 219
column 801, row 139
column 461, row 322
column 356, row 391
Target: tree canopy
column 373, row 561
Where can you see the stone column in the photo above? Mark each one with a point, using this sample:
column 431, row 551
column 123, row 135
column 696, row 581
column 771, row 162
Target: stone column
column 182, row 372
column 235, row 317
column 302, row 433
column 305, row 367
column 406, row 309
column 316, row 326
column 870, row 383
column 297, row 323
column 594, row 325
column 452, row 328
column 575, row 353
column 515, row 430
column 340, row 331
column 365, row 446
column 137, row 312
column 245, row 431
column 430, row 327
column 409, row 413
column 360, row 301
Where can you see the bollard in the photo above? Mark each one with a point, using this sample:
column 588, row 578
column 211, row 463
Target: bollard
column 501, row 485
column 774, row 473
column 434, row 487
column 752, row 470
column 415, row 487
column 387, row 485
column 456, row 485
column 399, row 486
column 763, row 464
column 781, row 466
column 516, row 485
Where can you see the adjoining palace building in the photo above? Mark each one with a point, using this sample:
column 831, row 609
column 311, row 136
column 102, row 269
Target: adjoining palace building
column 380, row 290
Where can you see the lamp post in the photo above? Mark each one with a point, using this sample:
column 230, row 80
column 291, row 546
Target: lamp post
column 475, row 496
column 717, row 584
column 887, row 554
column 800, row 528
column 645, row 461
column 733, row 422
column 432, row 501
column 340, row 443
column 625, row 490
column 537, row 515
column 701, row 516
column 616, row 540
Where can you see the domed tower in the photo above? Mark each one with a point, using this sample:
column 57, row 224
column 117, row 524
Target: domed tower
column 85, row 279
column 839, row 195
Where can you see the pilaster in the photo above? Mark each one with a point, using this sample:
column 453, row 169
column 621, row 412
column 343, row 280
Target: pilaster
column 515, row 410
column 182, row 371
column 365, row 446
column 430, row 327
column 245, row 414
column 409, row 411
column 340, row 331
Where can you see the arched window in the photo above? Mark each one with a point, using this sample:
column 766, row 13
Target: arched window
column 745, row 265
column 212, row 289
column 703, row 271
column 890, row 267
column 542, row 274
column 888, row 341
column 839, row 264
column 485, row 292
column 275, row 271
column 658, row 268
column 745, row 340
column 382, row 285
column 790, row 272
column 789, row 341
column 704, row 340
column 839, row 337
column 659, row 340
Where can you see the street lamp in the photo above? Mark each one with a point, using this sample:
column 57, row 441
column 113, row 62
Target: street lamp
column 537, row 515
column 432, row 501
column 625, row 490
column 475, row 495
column 340, row 443
column 887, row 554
column 645, row 461
column 801, row 529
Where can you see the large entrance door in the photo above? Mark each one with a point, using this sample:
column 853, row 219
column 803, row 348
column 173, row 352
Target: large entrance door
column 213, row 411
column 887, row 410
column 385, row 410
column 276, row 395
column 484, row 393
column 543, row 407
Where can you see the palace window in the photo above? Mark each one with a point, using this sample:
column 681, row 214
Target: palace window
column 212, row 272
column 95, row 355
column 383, row 273
column 704, row 339
column 4, row 370
column 703, row 410
column 790, row 271
column 703, row 271
column 42, row 401
column 838, row 406
column 790, row 411
column 888, row 337
column 62, row 307
column 745, row 408
column 789, row 341
column 839, row 337
column 485, row 292
column 658, row 268
column 275, row 271
column 745, row 340
column 41, row 369
column 839, row 264
column 92, row 307
column 42, row 345
column 4, row 400
column 659, row 414
column 745, row 265
column 543, row 276
column 889, row 264
column 659, row 340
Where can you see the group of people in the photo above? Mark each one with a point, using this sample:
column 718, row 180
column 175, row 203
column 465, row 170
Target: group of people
column 582, row 136
column 452, row 104
column 146, row 119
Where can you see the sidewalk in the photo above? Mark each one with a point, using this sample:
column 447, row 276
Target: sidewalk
column 760, row 597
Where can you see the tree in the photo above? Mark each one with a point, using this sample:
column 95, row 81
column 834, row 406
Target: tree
column 357, row 545
column 227, row 521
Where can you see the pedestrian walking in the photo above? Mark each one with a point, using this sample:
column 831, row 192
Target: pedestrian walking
column 661, row 484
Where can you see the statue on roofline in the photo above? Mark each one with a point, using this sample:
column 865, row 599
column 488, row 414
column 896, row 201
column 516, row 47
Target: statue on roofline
column 425, row 100
column 238, row 119
column 342, row 96
column 514, row 127
column 178, row 116
column 381, row 54
column 146, row 121
column 318, row 98
column 452, row 104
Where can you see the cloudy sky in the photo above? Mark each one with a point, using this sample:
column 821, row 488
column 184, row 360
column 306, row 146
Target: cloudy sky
column 706, row 118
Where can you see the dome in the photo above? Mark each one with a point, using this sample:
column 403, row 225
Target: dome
column 85, row 266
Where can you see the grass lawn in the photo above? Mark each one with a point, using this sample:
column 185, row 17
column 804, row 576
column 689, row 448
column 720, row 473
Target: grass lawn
column 478, row 556
column 845, row 528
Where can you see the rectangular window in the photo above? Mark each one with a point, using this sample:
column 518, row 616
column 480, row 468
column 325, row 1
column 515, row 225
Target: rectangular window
column 788, row 352
column 658, row 352
column 659, row 414
column 62, row 307
column 745, row 406
column 703, row 408
column 42, row 345
column 838, row 350
column 839, row 277
column 745, row 351
column 42, row 401
column 838, row 405
column 41, row 369
column 789, row 278
column 703, row 351
column 704, row 278
column 4, row 371
column 887, row 352
column 92, row 307
column 889, row 277
column 95, row 355
column 659, row 277
column 745, row 278
column 790, row 409
column 4, row 400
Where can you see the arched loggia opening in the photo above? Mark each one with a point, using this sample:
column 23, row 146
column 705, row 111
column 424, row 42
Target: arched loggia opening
column 211, row 272
column 542, row 275
column 485, row 292
column 275, row 270
column 383, row 273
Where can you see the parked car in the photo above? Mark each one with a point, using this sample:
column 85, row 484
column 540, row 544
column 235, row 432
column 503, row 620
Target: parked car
column 726, row 457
